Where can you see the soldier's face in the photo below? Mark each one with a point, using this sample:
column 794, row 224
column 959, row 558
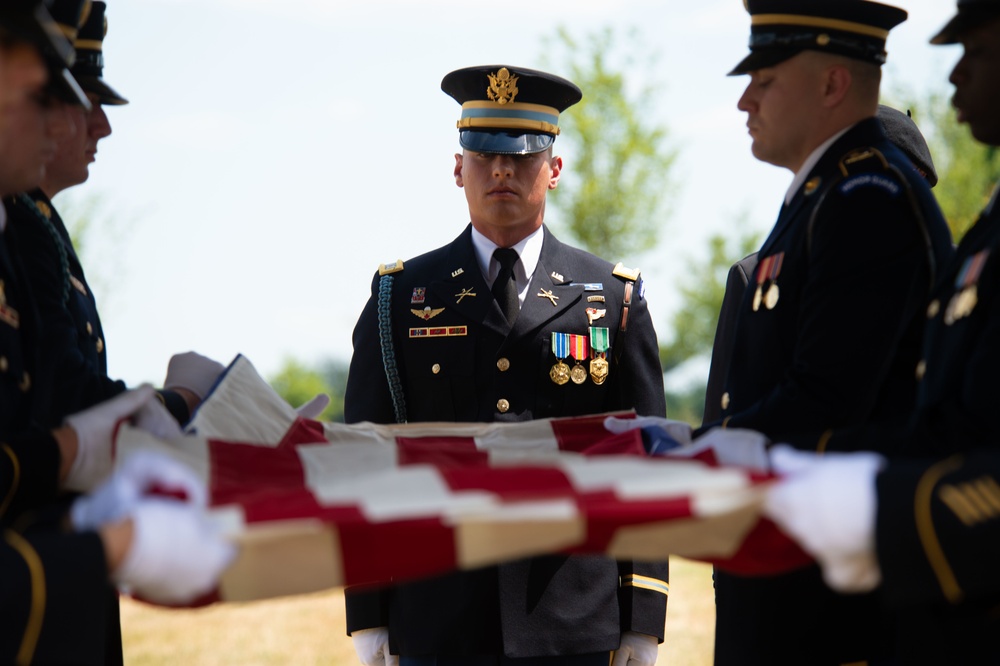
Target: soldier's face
column 506, row 193
column 22, row 73
column 977, row 82
column 34, row 125
column 779, row 102
column 71, row 164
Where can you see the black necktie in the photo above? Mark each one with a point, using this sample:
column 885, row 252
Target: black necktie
column 505, row 286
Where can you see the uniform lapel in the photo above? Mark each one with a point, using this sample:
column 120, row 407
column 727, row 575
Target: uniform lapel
column 552, row 276
column 865, row 133
column 463, row 288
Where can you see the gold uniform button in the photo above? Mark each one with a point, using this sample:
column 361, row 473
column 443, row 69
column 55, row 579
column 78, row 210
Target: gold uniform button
column 503, row 406
column 100, row 345
column 725, row 400
column 90, row 329
column 503, row 365
column 933, row 309
column 436, row 368
column 25, row 383
column 4, row 364
column 921, row 370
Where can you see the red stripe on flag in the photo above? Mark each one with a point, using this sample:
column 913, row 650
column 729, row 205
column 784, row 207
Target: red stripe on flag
column 606, row 514
column 303, row 431
column 238, row 470
column 581, row 433
column 374, row 553
column 440, row 451
column 511, row 483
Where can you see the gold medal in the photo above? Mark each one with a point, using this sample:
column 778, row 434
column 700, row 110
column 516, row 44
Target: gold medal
column 949, row 312
column 771, row 299
column 757, row 297
column 967, row 301
column 599, row 370
column 578, row 374
column 559, row 374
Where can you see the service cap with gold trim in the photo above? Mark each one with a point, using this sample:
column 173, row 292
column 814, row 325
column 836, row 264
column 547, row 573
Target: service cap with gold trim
column 780, row 29
column 509, row 110
column 971, row 13
column 89, row 66
column 69, row 15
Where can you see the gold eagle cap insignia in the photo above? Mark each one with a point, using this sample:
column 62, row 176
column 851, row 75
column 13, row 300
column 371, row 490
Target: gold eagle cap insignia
column 427, row 313
column 503, row 87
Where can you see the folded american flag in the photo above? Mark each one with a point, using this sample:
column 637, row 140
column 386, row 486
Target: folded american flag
column 316, row 505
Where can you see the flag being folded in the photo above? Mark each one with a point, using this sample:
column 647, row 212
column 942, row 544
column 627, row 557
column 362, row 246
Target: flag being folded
column 317, row 505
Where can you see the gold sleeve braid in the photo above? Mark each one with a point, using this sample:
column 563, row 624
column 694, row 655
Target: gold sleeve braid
column 33, row 627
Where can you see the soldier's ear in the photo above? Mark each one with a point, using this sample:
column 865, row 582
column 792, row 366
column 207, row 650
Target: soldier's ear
column 555, row 164
column 458, row 170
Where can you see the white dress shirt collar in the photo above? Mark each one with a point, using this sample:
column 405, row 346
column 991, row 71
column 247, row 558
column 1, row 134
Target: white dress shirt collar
column 528, row 249
column 811, row 161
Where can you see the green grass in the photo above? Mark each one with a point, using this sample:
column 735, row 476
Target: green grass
column 309, row 629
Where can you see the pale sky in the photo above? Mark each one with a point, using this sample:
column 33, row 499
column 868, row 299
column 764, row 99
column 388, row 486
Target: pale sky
column 276, row 151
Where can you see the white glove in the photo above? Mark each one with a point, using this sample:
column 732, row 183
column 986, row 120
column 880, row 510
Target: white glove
column 193, row 372
column 314, row 407
column 679, row 430
column 142, row 473
column 828, row 504
column 733, row 446
column 636, row 650
column 176, row 555
column 95, row 428
column 154, row 418
column 372, row 646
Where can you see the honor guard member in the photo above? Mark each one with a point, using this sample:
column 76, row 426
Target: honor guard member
column 902, row 131
column 73, row 338
column 54, row 591
column 936, row 528
column 506, row 323
column 36, row 57
column 830, row 327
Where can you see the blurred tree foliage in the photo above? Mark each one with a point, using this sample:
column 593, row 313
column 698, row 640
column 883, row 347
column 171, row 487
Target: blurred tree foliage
column 298, row 383
column 692, row 327
column 612, row 196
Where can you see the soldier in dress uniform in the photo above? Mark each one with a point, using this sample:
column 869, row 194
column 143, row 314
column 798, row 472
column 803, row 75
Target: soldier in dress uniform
column 902, row 131
column 506, row 323
column 935, row 531
column 73, row 342
column 830, row 326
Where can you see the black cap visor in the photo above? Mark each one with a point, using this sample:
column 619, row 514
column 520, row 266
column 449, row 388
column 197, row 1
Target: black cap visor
column 501, row 142
column 964, row 21
column 762, row 58
column 64, row 87
column 105, row 93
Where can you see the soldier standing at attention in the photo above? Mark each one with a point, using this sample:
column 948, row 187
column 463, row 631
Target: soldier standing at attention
column 829, row 330
column 506, row 323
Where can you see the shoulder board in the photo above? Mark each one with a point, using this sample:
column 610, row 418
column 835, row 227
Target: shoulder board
column 861, row 160
column 627, row 273
column 389, row 269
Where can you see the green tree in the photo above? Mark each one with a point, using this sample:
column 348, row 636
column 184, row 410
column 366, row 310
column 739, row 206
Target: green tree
column 693, row 324
column 612, row 198
column 967, row 170
column 297, row 383
column 702, row 290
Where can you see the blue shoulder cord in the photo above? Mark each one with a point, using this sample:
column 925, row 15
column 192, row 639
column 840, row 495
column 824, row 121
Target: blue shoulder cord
column 388, row 352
